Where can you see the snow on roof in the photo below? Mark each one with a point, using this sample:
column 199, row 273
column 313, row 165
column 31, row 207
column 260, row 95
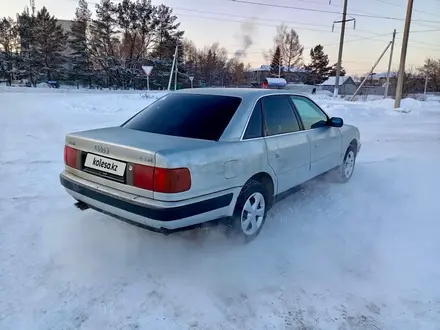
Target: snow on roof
column 331, row 81
column 284, row 68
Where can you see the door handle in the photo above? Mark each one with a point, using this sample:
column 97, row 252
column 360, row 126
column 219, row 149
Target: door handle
column 277, row 155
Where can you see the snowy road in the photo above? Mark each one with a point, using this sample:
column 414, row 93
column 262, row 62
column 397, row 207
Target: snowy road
column 364, row 255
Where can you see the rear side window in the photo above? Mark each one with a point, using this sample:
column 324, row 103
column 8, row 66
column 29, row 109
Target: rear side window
column 279, row 115
column 255, row 125
column 194, row 116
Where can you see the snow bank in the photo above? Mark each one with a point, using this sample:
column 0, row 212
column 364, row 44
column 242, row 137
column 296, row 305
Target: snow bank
column 363, row 255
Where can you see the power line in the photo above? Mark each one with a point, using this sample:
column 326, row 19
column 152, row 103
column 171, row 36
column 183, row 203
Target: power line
column 357, row 12
column 247, row 17
column 262, row 24
column 262, row 19
column 400, row 6
column 436, row 30
column 325, row 11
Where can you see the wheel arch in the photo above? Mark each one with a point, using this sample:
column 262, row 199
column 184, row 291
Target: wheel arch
column 354, row 144
column 268, row 182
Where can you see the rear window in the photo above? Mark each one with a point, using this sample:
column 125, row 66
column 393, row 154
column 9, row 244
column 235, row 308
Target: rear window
column 187, row 115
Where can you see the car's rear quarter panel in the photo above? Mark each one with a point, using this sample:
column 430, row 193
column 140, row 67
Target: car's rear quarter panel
column 223, row 166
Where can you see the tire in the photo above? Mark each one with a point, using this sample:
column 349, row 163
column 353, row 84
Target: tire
column 344, row 172
column 242, row 225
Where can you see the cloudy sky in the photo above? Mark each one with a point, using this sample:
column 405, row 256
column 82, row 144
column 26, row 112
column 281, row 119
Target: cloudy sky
column 209, row 21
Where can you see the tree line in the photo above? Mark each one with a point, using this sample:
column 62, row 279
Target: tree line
column 110, row 49
column 106, row 51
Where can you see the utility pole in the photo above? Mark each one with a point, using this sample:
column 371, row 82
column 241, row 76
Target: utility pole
column 403, row 55
column 172, row 68
column 426, row 85
column 371, row 71
column 177, row 68
column 387, row 86
column 341, row 48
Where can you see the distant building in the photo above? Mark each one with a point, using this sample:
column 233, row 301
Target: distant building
column 379, row 79
column 291, row 75
column 347, row 86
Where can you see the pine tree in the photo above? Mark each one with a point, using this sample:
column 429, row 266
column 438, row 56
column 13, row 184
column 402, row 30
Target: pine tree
column 26, row 31
column 319, row 64
column 50, row 43
column 80, row 57
column 146, row 27
column 8, row 48
column 276, row 64
column 104, row 44
column 136, row 21
column 333, row 69
column 168, row 34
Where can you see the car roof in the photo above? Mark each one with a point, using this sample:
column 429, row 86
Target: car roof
column 238, row 92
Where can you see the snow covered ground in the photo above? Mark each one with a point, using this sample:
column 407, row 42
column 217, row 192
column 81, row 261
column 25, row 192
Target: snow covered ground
column 364, row 255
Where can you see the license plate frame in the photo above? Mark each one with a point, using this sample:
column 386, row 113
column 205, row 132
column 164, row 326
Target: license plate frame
column 105, row 165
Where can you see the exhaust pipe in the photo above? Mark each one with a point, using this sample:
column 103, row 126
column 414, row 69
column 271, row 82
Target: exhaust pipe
column 82, row 206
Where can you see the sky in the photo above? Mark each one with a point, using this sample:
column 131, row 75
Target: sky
column 209, row 21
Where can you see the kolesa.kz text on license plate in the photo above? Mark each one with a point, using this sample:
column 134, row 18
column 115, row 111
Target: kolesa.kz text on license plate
column 105, row 164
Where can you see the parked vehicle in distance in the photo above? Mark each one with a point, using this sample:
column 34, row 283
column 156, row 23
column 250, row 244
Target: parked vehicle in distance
column 198, row 155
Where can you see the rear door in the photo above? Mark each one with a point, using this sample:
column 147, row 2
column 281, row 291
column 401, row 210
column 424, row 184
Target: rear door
column 325, row 141
column 287, row 144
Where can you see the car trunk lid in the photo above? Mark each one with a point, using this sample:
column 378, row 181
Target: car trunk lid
column 111, row 153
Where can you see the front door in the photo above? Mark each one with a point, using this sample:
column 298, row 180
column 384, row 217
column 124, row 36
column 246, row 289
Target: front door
column 325, row 141
column 287, row 144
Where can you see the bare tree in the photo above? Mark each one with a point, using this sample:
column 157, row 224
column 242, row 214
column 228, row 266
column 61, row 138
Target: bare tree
column 290, row 46
column 431, row 70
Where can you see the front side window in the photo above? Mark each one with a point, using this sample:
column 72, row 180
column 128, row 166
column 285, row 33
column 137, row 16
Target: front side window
column 279, row 116
column 311, row 115
column 196, row 116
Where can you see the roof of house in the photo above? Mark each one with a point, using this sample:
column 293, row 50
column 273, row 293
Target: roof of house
column 331, row 81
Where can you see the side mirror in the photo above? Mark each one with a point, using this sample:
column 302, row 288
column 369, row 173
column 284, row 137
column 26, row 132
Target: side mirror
column 336, row 122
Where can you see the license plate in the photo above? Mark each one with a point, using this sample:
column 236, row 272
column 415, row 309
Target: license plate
column 105, row 164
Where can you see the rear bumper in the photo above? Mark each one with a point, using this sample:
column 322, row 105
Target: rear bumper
column 162, row 217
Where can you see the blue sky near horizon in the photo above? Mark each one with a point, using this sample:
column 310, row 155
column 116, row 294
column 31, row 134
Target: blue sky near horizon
column 209, row 21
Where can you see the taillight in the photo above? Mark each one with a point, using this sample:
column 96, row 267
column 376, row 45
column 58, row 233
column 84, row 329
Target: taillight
column 171, row 180
column 143, row 176
column 70, row 155
column 161, row 180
